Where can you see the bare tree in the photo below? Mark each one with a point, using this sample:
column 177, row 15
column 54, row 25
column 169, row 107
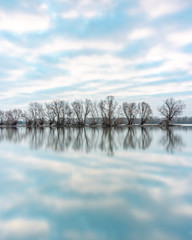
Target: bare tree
column 81, row 110
column 49, row 113
column 57, row 107
column 33, row 112
column 59, row 112
column 130, row 110
column 94, row 113
column 144, row 111
column 65, row 110
column 107, row 109
column 41, row 114
column 78, row 111
column 12, row 117
column 2, row 117
column 119, row 116
column 69, row 115
column 170, row 109
column 87, row 108
column 36, row 113
column 27, row 118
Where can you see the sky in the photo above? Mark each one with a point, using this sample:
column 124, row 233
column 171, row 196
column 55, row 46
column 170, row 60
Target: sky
column 137, row 50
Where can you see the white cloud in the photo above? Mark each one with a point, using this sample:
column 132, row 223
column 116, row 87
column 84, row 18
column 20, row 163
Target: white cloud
column 90, row 14
column 65, row 44
column 173, row 60
column 105, row 67
column 70, row 14
column 141, row 33
column 180, row 38
column 133, row 11
column 88, row 2
column 110, row 68
column 40, row 85
column 184, row 210
column 22, row 22
column 76, row 14
column 157, row 89
column 87, row 8
column 11, row 49
column 16, row 74
column 157, row 8
column 44, row 7
column 16, row 228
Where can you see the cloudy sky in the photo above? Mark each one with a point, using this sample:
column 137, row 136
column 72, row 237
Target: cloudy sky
column 71, row 49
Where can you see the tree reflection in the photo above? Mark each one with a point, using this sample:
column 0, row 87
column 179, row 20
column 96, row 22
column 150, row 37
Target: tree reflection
column 107, row 142
column 78, row 140
column 145, row 138
column 90, row 139
column 36, row 137
column 171, row 141
column 137, row 137
column 10, row 134
column 130, row 140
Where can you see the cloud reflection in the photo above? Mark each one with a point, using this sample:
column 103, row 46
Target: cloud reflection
column 76, row 190
column 24, row 229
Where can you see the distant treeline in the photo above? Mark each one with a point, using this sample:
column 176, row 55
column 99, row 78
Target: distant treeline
column 157, row 120
column 177, row 120
column 106, row 112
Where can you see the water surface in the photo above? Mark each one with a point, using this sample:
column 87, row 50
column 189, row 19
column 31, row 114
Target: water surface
column 95, row 183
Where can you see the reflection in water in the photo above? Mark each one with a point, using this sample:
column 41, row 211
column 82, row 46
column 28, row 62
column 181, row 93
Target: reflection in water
column 130, row 140
column 140, row 138
column 107, row 140
column 11, row 134
column 76, row 192
column 145, row 139
column 171, row 141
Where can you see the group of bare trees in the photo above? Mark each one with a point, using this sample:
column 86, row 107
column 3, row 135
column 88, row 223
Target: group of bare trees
column 107, row 112
column 10, row 117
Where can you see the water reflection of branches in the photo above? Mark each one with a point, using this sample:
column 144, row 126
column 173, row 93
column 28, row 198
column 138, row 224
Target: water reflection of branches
column 135, row 140
column 108, row 143
column 145, row 138
column 130, row 140
column 78, row 142
column 90, row 139
column 10, row 134
column 171, row 141
column 36, row 137
column 59, row 139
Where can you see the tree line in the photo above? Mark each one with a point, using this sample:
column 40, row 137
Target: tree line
column 107, row 112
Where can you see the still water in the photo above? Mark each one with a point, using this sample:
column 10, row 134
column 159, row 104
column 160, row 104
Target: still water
column 96, row 184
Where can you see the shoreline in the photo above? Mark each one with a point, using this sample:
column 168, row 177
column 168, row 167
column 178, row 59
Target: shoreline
column 97, row 126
